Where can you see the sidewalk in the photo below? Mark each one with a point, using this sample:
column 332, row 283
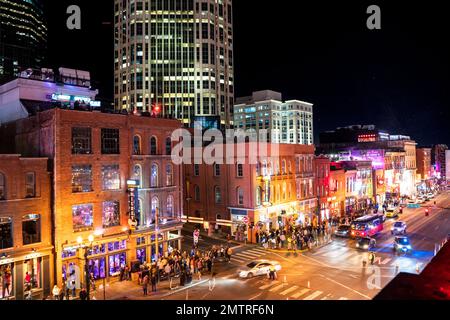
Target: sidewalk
column 130, row 290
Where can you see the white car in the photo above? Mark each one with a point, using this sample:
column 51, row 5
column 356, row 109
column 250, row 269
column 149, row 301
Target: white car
column 399, row 228
column 258, row 268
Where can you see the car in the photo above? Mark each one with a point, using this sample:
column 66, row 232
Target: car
column 392, row 213
column 343, row 231
column 402, row 244
column 399, row 228
column 258, row 268
column 365, row 243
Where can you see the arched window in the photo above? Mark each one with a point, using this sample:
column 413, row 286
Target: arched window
column 258, row 196
column 153, row 146
column 284, row 191
column 154, row 178
column 140, row 214
column 155, row 209
column 137, row 145
column 168, row 146
column 218, row 195
column 197, row 193
column 137, row 173
column 169, row 207
column 240, row 196
column 283, row 166
column 169, row 175
column 2, row 187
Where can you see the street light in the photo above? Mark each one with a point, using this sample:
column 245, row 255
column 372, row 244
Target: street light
column 91, row 239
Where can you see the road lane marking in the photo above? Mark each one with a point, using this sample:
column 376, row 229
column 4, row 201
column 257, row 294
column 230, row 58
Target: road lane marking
column 267, row 286
column 275, row 289
column 313, row 295
column 386, row 261
column 342, row 285
column 253, row 298
column 238, row 260
column 261, row 253
column 299, row 294
column 245, row 254
column 248, row 253
column 285, row 292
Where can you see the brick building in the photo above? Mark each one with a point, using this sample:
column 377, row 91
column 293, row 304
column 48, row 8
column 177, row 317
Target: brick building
column 25, row 227
column 322, row 174
column 275, row 190
column 113, row 180
column 424, row 163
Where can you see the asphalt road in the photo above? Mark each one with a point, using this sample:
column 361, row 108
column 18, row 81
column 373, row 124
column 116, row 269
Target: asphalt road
column 333, row 272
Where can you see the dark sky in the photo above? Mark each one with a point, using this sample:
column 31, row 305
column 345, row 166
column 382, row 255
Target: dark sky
column 397, row 78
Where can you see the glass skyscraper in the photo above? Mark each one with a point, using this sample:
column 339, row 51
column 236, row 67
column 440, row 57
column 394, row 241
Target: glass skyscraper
column 175, row 57
column 23, row 37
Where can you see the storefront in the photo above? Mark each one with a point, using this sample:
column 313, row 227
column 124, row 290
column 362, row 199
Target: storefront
column 239, row 226
column 23, row 274
column 350, row 205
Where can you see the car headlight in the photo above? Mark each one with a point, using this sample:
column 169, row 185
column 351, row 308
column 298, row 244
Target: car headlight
column 366, row 246
column 409, row 247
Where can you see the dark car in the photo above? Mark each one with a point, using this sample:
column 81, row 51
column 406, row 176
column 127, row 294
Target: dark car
column 365, row 243
column 343, row 231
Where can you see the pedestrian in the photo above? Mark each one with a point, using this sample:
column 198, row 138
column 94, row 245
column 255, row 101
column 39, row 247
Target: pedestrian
column 153, row 281
column 55, row 292
column 145, row 282
column 229, row 253
column 83, row 294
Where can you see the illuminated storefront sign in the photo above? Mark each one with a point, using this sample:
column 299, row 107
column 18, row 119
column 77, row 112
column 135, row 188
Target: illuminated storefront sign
column 367, row 138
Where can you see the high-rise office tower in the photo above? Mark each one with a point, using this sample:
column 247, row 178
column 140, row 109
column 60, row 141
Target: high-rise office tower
column 175, row 58
column 23, row 37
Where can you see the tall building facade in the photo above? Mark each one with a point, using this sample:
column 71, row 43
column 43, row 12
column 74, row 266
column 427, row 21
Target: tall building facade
column 23, row 37
column 175, row 59
column 424, row 163
column 438, row 159
column 289, row 122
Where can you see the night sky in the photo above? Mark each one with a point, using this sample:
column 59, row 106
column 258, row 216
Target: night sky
column 397, row 78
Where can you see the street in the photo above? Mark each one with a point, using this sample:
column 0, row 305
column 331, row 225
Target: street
column 332, row 272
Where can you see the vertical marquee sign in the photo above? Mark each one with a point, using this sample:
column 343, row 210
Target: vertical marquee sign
column 133, row 203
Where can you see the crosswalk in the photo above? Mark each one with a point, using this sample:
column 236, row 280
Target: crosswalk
column 296, row 292
column 349, row 257
column 248, row 255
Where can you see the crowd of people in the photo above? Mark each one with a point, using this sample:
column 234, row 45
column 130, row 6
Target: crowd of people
column 182, row 266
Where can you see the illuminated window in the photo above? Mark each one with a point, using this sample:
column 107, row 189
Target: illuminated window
column 240, row 196
column 218, row 195
column 82, row 217
column 154, row 177
column 258, row 196
column 137, row 145
column 169, row 206
column 137, row 172
column 111, row 177
column 155, row 208
column 81, row 178
column 111, row 214
column 169, row 175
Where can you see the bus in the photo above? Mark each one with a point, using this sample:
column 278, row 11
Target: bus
column 366, row 226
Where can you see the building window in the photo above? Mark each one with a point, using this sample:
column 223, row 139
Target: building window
column 283, row 167
column 6, row 280
column 137, row 145
column 111, row 177
column 240, row 170
column 32, row 270
column 110, row 141
column 258, row 196
column 240, row 196
column 153, row 146
column 155, row 209
column 31, row 229
column 216, row 170
column 97, row 268
column 111, row 214
column 2, row 187
column 137, row 173
column 196, row 170
column 154, row 178
column 141, row 255
column 82, row 217
column 168, row 146
column 6, row 233
column 258, row 169
column 30, row 185
column 169, row 207
column 116, row 262
column 284, row 191
column 81, row 141
column 81, row 178
column 197, row 193
column 218, row 195
column 169, row 175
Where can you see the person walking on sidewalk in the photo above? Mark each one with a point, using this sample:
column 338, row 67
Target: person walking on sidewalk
column 153, row 281
column 145, row 282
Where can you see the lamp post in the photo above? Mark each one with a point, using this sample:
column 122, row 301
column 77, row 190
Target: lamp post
column 86, row 263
